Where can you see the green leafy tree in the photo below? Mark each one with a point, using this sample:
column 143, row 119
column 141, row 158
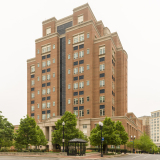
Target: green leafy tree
column 70, row 130
column 26, row 134
column 6, row 132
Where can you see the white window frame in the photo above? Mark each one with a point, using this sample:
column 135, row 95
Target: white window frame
column 75, row 101
column 48, row 76
column 87, row 66
column 87, row 82
column 53, row 75
column 69, row 56
column 69, row 86
column 102, row 50
column 54, row 60
column 102, row 67
column 32, row 82
column 88, row 35
column 43, row 91
column 69, row 41
column 48, row 63
column 43, row 105
column 76, row 113
column 69, row 71
column 48, row 31
column 54, row 89
column 81, row 113
column 54, row 103
column 88, row 50
column 48, row 90
column 81, row 54
column 43, row 77
column 81, row 69
column 102, row 112
column 48, row 104
column 81, row 84
column 43, row 64
column 75, row 56
column 81, row 100
column 80, row 19
column 69, row 101
column 102, row 83
column 32, row 108
column 37, row 105
column 75, row 85
column 32, row 69
column 102, row 99
column 75, row 70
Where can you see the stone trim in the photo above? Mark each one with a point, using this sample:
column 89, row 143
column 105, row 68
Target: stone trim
column 64, row 20
column 47, row 37
column 100, row 22
column 49, row 20
column 31, row 60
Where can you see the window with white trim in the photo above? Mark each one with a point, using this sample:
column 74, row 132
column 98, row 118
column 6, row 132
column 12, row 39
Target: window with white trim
column 75, row 101
column 54, row 103
column 102, row 99
column 81, row 54
column 37, row 64
column 53, row 60
column 87, row 51
column 38, row 92
column 43, row 91
column 32, row 108
column 32, row 95
column 37, row 116
column 87, row 66
column 102, row 112
column 43, row 64
column 81, row 69
column 53, row 114
column 48, row 115
column 48, row 76
column 75, row 71
column 75, row 85
column 87, row 35
column 76, row 113
column 46, row 48
column 43, row 78
column 102, row 83
column 54, row 46
column 101, row 67
column 48, row 63
column 69, row 71
column 78, row 38
column 112, row 100
column 81, row 113
column 43, row 105
column 48, row 104
column 69, row 56
column 81, row 84
column 76, row 55
column 69, row 86
column 37, row 78
column 81, row 100
column 32, row 82
column 84, row 125
column 53, row 74
column 113, row 85
column 37, row 105
column 81, row 37
column 87, row 83
column 80, row 19
column 69, row 41
column 69, row 101
column 113, row 70
column 48, row 90
column 48, row 31
column 54, row 89
column 102, row 50
column 32, row 69
column 43, row 116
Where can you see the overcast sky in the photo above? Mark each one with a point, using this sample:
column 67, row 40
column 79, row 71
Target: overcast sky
column 136, row 21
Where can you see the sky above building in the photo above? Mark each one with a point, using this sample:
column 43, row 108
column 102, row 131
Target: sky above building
column 137, row 23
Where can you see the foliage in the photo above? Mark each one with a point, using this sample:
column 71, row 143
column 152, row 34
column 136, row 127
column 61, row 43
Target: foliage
column 6, row 132
column 70, row 130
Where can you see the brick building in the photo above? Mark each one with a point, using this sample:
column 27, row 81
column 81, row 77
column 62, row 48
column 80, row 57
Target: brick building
column 81, row 67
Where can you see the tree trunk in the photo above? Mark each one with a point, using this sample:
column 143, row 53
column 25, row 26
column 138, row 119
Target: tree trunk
column 115, row 149
column 106, row 148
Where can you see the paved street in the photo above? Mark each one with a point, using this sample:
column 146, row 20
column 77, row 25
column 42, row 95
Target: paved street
column 128, row 157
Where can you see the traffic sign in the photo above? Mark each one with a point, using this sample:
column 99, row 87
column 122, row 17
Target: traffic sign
column 102, row 138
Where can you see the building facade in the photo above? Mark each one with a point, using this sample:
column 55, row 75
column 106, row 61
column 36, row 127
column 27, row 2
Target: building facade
column 154, row 127
column 81, row 67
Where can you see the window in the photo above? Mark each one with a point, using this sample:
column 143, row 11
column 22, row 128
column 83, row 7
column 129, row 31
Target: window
column 69, row 41
column 43, row 85
column 48, row 98
column 54, row 46
column 102, row 83
column 75, row 63
column 32, row 82
column 48, row 63
column 87, row 99
column 43, row 71
column 102, row 75
column 84, row 125
column 32, row 102
column 69, row 86
column 43, row 64
column 32, row 76
column 69, row 101
column 43, row 78
column 81, row 100
column 46, row 49
column 69, row 56
column 48, row 104
column 48, row 84
column 78, row 38
column 75, row 111
column 81, row 37
column 81, row 92
column 76, row 55
column 102, row 91
column 81, row 69
column 53, row 114
column 38, row 51
column 43, row 57
column 75, row 71
column 113, row 70
column 102, row 99
column 48, row 31
column 81, row 77
column 81, row 84
column 81, row 54
column 75, row 39
column 75, row 48
column 37, row 105
column 43, row 105
column 32, row 89
column 87, row 51
column 75, row 78
column 37, row 78
column 113, row 85
column 48, row 76
column 88, row 67
column 81, row 113
column 43, row 116
column 75, row 85
column 102, row 67
column 69, row 71
column 81, row 46
column 80, row 19
column 48, row 91
column 43, row 98
column 87, row 111
column 32, row 95
column 38, row 92
column 48, row 70
column 112, row 100
column 53, row 60
column 81, row 61
column 75, row 93
column 87, row 83
column 32, row 108
column 37, row 64
column 53, row 74
column 54, row 103
column 48, row 115
column 37, row 116
column 32, row 69
column 75, row 101
column 87, row 35
column 102, row 112
column 101, row 50
column 102, row 59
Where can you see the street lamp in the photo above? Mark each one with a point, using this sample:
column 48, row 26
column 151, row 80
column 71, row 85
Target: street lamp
column 63, row 123
column 101, row 126
column 133, row 143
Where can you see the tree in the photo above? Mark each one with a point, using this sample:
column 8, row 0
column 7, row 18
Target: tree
column 26, row 134
column 70, row 130
column 6, row 132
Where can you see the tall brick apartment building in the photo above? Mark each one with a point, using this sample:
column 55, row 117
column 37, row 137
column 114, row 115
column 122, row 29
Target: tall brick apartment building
column 81, row 67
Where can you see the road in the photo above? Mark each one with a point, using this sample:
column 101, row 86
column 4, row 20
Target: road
column 128, row 157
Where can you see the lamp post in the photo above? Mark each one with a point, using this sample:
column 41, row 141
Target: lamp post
column 133, row 142
column 63, row 123
column 101, row 126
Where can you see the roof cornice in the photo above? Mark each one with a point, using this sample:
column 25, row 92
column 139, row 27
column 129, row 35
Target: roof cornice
column 64, row 20
column 99, row 22
column 47, row 37
column 86, row 23
column 31, row 60
column 49, row 20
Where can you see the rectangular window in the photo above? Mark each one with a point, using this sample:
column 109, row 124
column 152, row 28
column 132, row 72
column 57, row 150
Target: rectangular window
column 43, row 64
column 48, row 63
column 43, row 57
column 69, row 56
column 81, row 85
column 81, row 46
column 48, row 84
column 75, row 39
column 87, row 35
column 102, row 67
column 87, row 83
column 38, row 51
column 102, row 99
column 69, row 101
column 81, row 100
column 81, row 69
column 48, row 104
column 38, row 92
column 80, row 19
column 37, row 116
column 32, row 76
column 32, row 95
column 102, row 91
column 75, row 71
column 43, row 71
column 48, row 90
column 76, row 55
column 81, row 61
column 48, row 76
column 43, row 116
column 102, row 83
column 32, row 108
column 69, row 86
column 43, row 105
column 69, row 71
column 81, row 77
column 54, row 89
column 48, row 70
column 53, row 103
column 75, row 85
column 32, row 102
column 81, row 54
column 87, row 111
column 75, row 48
column 75, row 101
column 37, row 64
column 75, row 94
column 84, row 125
column 48, row 98
column 32, row 82
column 48, row 56
column 75, row 63
column 43, row 98
column 101, row 50
column 102, row 59
column 81, row 92
column 32, row 89
column 81, row 113
column 76, row 111
column 43, row 85
column 102, row 112
column 37, row 105
column 87, row 99
column 53, row 74
column 81, row 37
column 48, row 31
column 53, row 60
column 87, row 51
column 75, row 78
column 88, row 67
